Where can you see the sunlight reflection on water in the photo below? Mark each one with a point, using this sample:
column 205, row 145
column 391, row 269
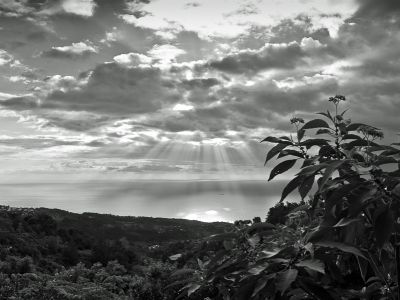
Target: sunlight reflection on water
column 200, row 200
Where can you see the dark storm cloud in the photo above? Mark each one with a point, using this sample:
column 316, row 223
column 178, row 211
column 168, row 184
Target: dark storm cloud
column 200, row 83
column 248, row 107
column 295, row 47
column 377, row 9
column 79, row 122
column 116, row 90
column 271, row 56
column 111, row 89
column 20, row 103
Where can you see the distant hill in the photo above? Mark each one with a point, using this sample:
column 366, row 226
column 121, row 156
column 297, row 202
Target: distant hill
column 136, row 229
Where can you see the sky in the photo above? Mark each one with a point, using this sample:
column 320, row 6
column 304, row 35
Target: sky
column 156, row 107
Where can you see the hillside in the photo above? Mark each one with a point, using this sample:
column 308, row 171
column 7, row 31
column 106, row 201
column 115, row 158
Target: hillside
column 41, row 248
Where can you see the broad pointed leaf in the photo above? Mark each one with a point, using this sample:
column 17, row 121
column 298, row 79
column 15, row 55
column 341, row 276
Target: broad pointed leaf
column 281, row 168
column 346, row 221
column 332, row 167
column 193, row 288
column 312, row 264
column 291, row 186
column 287, row 152
column 316, row 123
column 300, row 134
column 313, row 142
column 311, row 170
column 323, row 131
column 327, row 114
column 306, row 186
column 343, row 247
column 285, row 279
column 261, row 283
column 355, row 126
column 274, row 151
column 273, row 139
column 351, row 137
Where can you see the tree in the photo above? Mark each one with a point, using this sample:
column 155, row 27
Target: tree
column 278, row 213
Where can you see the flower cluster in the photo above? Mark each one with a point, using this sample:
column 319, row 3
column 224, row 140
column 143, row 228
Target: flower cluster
column 296, row 120
column 370, row 131
column 337, row 99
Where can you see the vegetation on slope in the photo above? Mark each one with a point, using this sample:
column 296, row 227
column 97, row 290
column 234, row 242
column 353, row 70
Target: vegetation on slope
column 54, row 254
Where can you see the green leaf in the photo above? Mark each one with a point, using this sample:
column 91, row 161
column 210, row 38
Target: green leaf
column 285, row 279
column 287, row 152
column 343, row 129
column 355, row 126
column 272, row 139
column 351, row 137
column 281, row 168
column 363, row 266
column 306, row 186
column 332, row 167
column 300, row 134
column 311, row 170
column 193, row 288
column 258, row 269
column 274, row 151
column 316, row 123
column 175, row 256
column 383, row 225
column 312, row 264
column 261, row 283
column 323, row 131
column 358, row 143
column 314, row 142
column 338, row 194
column 327, row 114
column 385, row 160
column 343, row 247
column 284, row 137
column 346, row 221
column 291, row 186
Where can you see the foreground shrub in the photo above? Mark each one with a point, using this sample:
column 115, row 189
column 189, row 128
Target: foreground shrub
column 347, row 244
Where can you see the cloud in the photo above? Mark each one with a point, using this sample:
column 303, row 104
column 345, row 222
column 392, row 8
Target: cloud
column 111, row 92
column 74, row 51
column 5, row 58
column 133, row 59
column 165, row 53
column 116, row 90
column 84, row 8
column 228, row 19
column 36, row 142
column 270, row 56
column 5, row 96
column 14, row 8
column 377, row 9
